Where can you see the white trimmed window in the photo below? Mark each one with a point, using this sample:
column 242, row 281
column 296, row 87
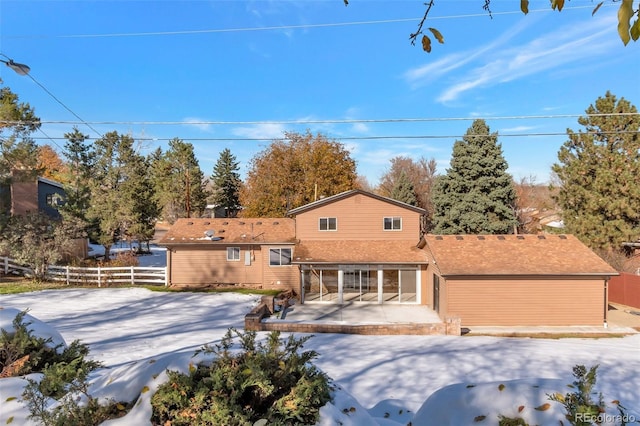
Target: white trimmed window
column 328, row 224
column 233, row 253
column 392, row 223
column 279, row 256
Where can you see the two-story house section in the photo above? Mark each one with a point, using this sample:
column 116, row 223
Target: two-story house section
column 360, row 247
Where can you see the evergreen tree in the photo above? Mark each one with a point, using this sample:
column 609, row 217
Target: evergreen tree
column 421, row 174
column 144, row 206
column 477, row 195
column 179, row 183
column 599, row 171
column 404, row 191
column 119, row 190
column 79, row 161
column 226, row 182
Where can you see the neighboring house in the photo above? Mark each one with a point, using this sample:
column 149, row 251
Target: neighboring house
column 24, row 195
column 252, row 252
column 517, row 280
column 360, row 247
column 33, row 195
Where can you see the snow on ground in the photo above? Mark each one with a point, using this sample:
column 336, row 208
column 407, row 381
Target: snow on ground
column 157, row 257
column 381, row 380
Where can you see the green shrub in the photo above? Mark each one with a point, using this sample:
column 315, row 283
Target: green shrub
column 64, row 377
column 269, row 381
column 76, row 407
column 583, row 406
column 35, row 352
column 580, row 405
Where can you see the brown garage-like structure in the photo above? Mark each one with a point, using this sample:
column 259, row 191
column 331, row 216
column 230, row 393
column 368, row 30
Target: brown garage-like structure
column 516, row 280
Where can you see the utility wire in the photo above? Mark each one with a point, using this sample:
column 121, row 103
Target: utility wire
column 334, row 121
column 63, row 105
column 293, row 27
column 233, row 139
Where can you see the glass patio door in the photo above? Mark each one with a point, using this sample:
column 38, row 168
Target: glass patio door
column 358, row 285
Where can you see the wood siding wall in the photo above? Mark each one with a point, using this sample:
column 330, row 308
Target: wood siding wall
column 524, row 302
column 625, row 289
column 24, row 197
column 280, row 277
column 359, row 218
column 206, row 265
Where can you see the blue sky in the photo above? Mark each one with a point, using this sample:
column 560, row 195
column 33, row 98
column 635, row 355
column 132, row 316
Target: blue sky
column 215, row 72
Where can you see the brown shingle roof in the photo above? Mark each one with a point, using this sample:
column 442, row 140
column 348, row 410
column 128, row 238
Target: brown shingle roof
column 231, row 230
column 350, row 251
column 514, row 255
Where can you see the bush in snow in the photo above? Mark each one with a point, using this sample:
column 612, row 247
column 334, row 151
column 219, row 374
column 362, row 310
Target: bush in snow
column 271, row 382
column 57, row 396
column 23, row 352
column 585, row 407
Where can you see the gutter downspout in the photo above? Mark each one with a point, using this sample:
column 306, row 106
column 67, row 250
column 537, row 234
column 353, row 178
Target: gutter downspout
column 606, row 301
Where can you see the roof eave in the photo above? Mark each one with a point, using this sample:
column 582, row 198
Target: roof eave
column 530, row 276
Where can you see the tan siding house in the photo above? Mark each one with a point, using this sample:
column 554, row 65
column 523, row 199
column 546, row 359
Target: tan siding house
column 358, row 247
column 517, row 280
column 230, row 251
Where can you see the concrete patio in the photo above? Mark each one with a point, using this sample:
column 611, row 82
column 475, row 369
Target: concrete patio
column 360, row 313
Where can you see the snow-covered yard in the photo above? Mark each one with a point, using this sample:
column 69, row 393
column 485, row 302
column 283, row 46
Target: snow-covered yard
column 138, row 333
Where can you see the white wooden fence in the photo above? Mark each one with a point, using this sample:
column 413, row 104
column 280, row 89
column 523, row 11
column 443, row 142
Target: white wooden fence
column 102, row 276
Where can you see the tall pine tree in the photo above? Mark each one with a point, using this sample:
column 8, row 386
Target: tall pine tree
column 80, row 161
column 120, row 191
column 403, row 190
column 599, row 171
column 477, row 195
column 179, row 183
column 226, row 183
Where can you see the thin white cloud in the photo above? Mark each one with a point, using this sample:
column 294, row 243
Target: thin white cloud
column 517, row 129
column 424, row 74
column 360, row 128
column 566, row 45
column 260, row 131
column 500, row 61
column 197, row 123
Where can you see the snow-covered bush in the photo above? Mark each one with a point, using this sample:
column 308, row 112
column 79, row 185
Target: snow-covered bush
column 271, row 381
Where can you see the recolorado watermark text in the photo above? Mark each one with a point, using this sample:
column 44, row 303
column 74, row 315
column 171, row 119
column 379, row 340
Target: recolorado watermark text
column 604, row 418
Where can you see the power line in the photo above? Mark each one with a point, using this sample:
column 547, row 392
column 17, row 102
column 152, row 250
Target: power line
column 381, row 137
column 332, row 121
column 63, row 105
column 293, row 27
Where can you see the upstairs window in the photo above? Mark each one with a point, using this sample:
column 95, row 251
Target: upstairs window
column 233, row 253
column 279, row 256
column 392, row 223
column 328, row 224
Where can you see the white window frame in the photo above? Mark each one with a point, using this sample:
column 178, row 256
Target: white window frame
column 280, row 256
column 233, row 251
column 328, row 223
column 393, row 219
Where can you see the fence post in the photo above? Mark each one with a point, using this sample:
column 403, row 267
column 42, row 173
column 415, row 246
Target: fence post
column 99, row 277
column 67, row 273
column 133, row 276
column 166, row 276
